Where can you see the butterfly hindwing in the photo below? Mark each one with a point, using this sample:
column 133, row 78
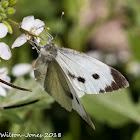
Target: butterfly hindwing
column 88, row 74
column 51, row 79
column 77, row 105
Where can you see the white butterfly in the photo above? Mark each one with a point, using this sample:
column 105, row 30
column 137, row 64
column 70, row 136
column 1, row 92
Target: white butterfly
column 67, row 75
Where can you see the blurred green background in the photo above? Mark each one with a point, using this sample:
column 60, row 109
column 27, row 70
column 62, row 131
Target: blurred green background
column 105, row 29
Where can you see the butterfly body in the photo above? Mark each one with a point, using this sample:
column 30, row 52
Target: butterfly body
column 68, row 74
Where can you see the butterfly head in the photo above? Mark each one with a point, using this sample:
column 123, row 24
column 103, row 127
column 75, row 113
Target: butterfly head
column 49, row 50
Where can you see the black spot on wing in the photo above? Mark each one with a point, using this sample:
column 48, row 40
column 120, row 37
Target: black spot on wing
column 71, row 75
column 77, row 100
column 71, row 96
column 80, row 79
column 95, row 76
column 101, row 91
column 108, row 89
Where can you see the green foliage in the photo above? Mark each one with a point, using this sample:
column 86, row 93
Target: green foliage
column 134, row 36
column 115, row 109
column 17, row 96
column 136, row 135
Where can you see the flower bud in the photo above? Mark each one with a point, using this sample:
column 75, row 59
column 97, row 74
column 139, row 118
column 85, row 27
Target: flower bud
column 10, row 11
column 9, row 26
column 4, row 16
column 0, row 18
column 12, row 2
column 5, row 4
column 1, row 9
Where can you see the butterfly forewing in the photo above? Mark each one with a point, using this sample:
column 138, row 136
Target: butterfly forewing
column 88, row 74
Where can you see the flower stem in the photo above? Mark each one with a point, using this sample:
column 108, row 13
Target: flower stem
column 13, row 86
column 21, row 105
column 17, row 24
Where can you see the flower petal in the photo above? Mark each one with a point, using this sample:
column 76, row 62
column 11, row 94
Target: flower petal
column 3, row 30
column 21, row 69
column 3, row 71
column 5, row 52
column 3, row 76
column 39, row 26
column 7, row 79
column 20, row 41
column 32, row 74
column 2, row 92
column 27, row 23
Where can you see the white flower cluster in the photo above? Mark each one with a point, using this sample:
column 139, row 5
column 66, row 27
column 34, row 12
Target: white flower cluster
column 30, row 26
column 5, row 52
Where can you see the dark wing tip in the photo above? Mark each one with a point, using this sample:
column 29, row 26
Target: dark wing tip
column 119, row 79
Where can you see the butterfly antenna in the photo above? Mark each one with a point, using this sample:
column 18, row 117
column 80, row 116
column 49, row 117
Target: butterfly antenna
column 35, row 44
column 46, row 33
column 59, row 26
column 49, row 35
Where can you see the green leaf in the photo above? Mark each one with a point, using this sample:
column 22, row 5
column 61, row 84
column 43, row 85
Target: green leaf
column 17, row 96
column 8, row 114
column 35, row 123
column 115, row 109
column 136, row 135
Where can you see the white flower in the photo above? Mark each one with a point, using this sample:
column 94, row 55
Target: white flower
column 22, row 69
column 3, row 30
column 31, row 25
column 3, row 75
column 134, row 68
column 111, row 59
column 5, row 52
